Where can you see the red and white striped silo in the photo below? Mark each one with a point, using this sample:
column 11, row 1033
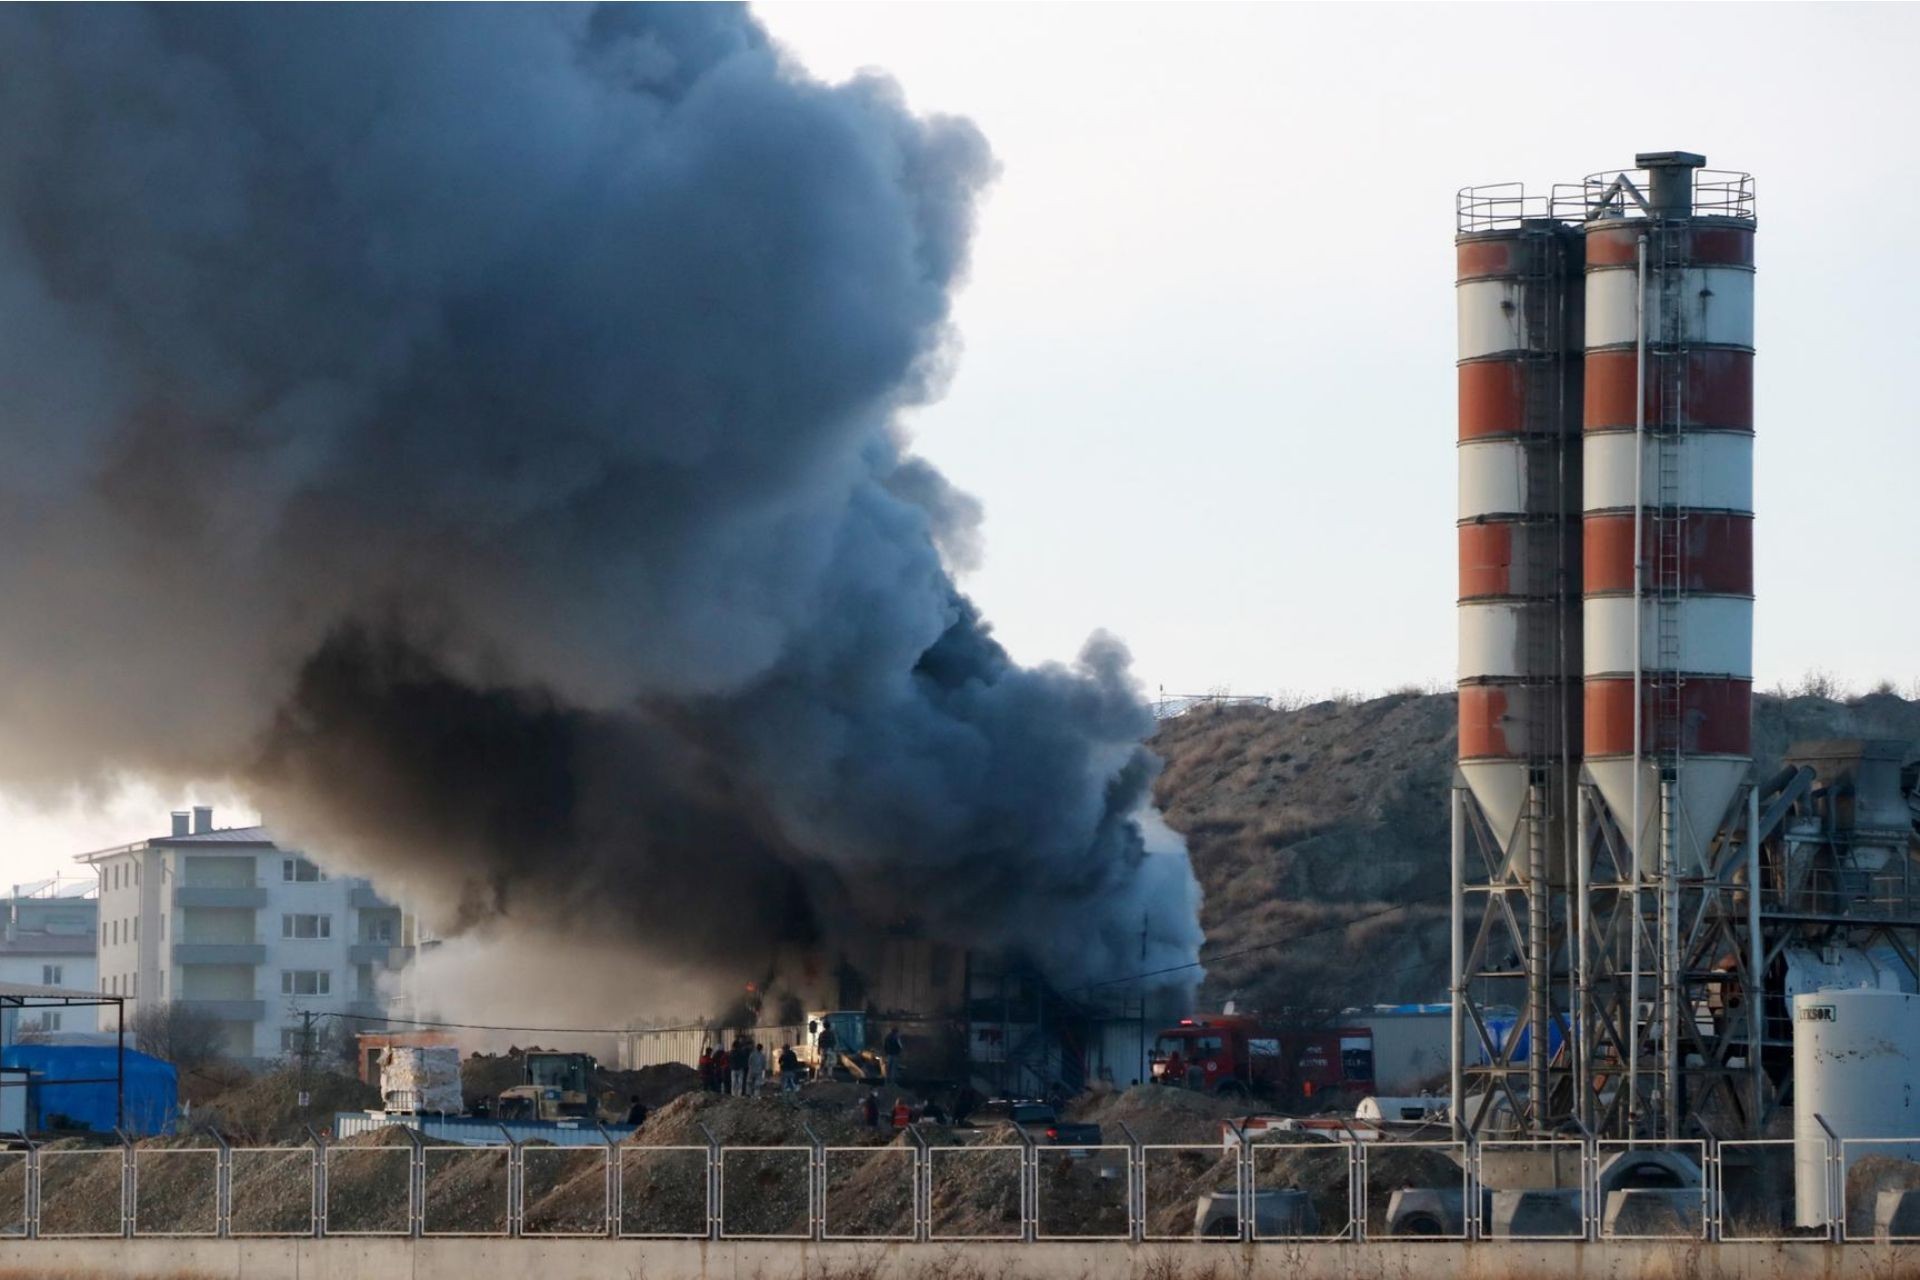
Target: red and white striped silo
column 1668, row 499
column 1518, row 291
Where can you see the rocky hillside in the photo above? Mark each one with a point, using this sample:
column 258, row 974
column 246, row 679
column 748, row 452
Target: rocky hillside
column 1325, row 829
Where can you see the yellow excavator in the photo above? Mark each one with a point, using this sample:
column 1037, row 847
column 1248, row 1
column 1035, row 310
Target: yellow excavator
column 556, row 1088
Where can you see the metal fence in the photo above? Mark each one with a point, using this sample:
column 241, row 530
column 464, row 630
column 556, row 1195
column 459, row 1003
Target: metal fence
column 923, row 1190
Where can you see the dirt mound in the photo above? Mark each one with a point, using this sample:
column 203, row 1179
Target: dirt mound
column 1155, row 1114
column 772, row 1121
column 265, row 1110
column 655, row 1086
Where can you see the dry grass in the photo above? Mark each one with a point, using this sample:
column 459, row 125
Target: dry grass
column 1308, row 819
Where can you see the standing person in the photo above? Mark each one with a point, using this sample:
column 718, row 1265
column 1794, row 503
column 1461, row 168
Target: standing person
column 756, row 1070
column 870, row 1109
column 789, row 1070
column 890, row 1050
column 737, row 1065
column 902, row 1113
column 825, row 1044
column 721, row 1067
column 706, row 1068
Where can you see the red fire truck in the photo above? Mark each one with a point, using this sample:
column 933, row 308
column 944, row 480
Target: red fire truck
column 1297, row 1067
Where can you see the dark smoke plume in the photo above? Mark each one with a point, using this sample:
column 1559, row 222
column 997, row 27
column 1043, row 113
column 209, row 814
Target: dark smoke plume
column 472, row 431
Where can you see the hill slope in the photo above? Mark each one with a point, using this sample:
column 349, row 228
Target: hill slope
column 1325, row 828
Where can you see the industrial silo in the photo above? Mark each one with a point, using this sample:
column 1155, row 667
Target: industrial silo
column 1518, row 289
column 1668, row 480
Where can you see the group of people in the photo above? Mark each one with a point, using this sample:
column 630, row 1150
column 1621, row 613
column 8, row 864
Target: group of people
column 740, row 1069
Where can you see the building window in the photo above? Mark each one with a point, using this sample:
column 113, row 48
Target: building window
column 380, row 930
column 300, row 871
column 306, row 982
column 136, row 928
column 49, row 1021
column 306, row 925
column 51, row 975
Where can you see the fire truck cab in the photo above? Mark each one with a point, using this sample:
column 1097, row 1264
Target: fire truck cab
column 1231, row 1055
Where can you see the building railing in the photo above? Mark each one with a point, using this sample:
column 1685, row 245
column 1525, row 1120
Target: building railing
column 921, row 1190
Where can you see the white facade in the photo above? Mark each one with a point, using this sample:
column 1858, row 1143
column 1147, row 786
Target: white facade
column 226, row 920
column 47, row 939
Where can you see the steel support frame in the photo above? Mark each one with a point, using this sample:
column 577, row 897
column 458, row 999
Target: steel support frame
column 1513, row 938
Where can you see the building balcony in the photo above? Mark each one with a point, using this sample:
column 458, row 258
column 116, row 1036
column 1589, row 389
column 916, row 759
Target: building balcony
column 384, row 954
column 207, row 895
column 363, row 897
column 219, row 953
column 229, row 1010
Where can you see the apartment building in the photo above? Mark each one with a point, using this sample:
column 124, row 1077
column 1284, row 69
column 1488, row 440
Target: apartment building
column 229, row 921
column 47, row 939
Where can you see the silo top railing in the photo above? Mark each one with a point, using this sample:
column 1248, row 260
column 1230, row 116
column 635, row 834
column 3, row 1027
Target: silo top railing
column 1498, row 206
column 1717, row 193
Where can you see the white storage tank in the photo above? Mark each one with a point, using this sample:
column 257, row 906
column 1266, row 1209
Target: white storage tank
column 1855, row 1052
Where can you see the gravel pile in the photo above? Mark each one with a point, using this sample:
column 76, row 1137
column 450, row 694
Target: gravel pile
column 1155, row 1114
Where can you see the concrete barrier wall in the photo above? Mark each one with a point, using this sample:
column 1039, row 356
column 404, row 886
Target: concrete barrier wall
column 472, row 1259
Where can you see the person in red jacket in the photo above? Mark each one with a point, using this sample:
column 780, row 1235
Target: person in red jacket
column 706, row 1068
column 902, row 1114
column 721, row 1066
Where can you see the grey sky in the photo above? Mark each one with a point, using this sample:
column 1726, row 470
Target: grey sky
column 1206, row 392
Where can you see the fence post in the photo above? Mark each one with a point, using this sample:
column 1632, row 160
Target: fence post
column 616, row 1195
column 716, row 1183
column 1475, row 1189
column 30, row 1188
column 816, row 1184
column 1836, row 1197
column 319, row 1182
column 222, row 1184
column 1591, row 1210
column 417, row 1182
column 1243, row 1181
column 1029, row 1185
column 1136, row 1186
column 922, row 1185
column 129, row 1184
column 1713, row 1198
column 1356, row 1182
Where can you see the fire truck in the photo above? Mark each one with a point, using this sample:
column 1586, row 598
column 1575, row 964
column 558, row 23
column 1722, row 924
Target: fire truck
column 1296, row 1067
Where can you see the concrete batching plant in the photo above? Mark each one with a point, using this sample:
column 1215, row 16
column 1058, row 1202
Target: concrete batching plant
column 1620, row 878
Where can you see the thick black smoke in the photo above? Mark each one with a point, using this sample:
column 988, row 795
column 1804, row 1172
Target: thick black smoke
column 472, row 429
